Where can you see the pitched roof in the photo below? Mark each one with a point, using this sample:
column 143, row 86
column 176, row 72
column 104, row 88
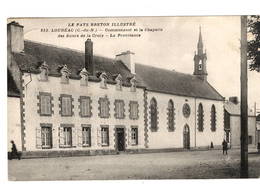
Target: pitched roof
column 172, row 82
column 154, row 79
column 55, row 57
column 234, row 109
column 12, row 89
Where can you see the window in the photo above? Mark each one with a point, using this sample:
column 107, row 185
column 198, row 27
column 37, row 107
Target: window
column 200, row 118
column 133, row 84
column 213, row 118
column 250, row 139
column 118, row 82
column 46, row 137
column 84, row 77
column 64, row 75
column 103, row 83
column 104, row 136
column 153, row 114
column 85, row 106
column 45, row 106
column 134, row 136
column 66, row 105
column 200, row 65
column 44, row 72
column 171, row 115
column 67, row 136
column 119, row 109
column 133, row 107
column 104, row 107
column 86, row 136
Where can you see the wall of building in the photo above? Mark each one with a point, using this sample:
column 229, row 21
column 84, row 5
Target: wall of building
column 207, row 136
column 14, row 122
column 32, row 87
column 258, row 132
column 235, row 130
column 162, row 138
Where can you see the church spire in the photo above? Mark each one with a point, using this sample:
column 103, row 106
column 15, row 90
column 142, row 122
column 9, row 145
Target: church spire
column 200, row 58
column 200, row 43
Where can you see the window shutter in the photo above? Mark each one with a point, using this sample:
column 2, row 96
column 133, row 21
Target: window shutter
column 38, row 138
column 48, row 105
column 129, row 136
column 63, row 106
column 79, row 133
column 68, row 106
column 98, row 137
column 61, row 137
column 134, row 110
column 54, row 138
column 74, row 136
column 83, row 107
column 42, row 105
column 136, row 136
column 102, row 108
column 92, row 132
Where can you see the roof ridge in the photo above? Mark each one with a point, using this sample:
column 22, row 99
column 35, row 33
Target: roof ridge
column 172, row 71
column 56, row 46
column 65, row 48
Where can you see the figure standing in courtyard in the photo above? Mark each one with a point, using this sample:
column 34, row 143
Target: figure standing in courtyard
column 224, row 146
column 14, row 153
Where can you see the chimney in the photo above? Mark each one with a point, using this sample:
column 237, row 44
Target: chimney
column 233, row 100
column 128, row 59
column 89, row 64
column 15, row 40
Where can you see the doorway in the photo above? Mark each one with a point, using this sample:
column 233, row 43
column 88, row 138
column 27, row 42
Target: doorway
column 186, row 137
column 120, row 133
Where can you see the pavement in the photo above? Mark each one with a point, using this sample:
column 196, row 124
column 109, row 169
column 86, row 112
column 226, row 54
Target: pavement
column 171, row 165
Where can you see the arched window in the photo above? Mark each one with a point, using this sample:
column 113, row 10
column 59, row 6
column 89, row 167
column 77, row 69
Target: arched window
column 171, row 115
column 200, row 118
column 153, row 114
column 213, row 118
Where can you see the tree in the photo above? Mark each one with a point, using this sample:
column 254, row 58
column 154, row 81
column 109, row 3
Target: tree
column 254, row 43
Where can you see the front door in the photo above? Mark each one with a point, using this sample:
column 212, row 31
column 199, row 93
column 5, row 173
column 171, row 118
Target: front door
column 186, row 137
column 120, row 139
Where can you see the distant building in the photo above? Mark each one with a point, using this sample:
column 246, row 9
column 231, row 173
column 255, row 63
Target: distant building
column 258, row 127
column 62, row 101
column 232, row 119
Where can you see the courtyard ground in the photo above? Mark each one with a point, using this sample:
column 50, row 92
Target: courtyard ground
column 172, row 165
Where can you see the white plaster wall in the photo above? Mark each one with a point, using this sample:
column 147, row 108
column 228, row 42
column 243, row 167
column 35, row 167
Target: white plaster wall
column 53, row 86
column 235, row 130
column 207, row 136
column 14, row 122
column 162, row 138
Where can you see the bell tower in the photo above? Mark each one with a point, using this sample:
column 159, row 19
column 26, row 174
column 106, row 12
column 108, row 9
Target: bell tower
column 200, row 58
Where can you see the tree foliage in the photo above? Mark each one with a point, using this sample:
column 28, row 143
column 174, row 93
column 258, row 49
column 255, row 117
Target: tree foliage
column 254, row 43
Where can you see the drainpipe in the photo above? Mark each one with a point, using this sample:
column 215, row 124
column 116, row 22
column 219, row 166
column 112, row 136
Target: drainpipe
column 195, row 116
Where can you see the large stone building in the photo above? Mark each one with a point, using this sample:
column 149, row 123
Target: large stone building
column 71, row 102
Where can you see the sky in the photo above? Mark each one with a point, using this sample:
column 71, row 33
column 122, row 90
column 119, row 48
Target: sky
column 172, row 47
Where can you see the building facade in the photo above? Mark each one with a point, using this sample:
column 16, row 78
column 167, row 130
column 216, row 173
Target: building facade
column 232, row 121
column 73, row 102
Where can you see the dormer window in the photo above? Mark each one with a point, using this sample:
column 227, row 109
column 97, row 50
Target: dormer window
column 44, row 71
column 133, row 84
column 118, row 82
column 103, row 83
column 84, row 77
column 64, row 74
